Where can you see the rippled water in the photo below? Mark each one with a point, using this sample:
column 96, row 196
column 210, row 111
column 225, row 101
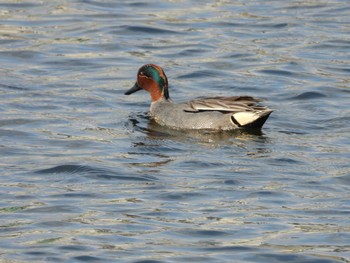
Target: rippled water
column 87, row 176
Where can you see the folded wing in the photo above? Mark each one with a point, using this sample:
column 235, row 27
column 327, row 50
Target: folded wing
column 225, row 104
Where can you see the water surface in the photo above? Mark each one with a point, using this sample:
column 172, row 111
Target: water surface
column 87, row 176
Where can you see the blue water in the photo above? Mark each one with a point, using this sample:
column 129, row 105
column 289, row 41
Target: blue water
column 86, row 176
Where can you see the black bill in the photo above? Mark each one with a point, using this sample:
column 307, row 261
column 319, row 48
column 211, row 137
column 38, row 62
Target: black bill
column 135, row 88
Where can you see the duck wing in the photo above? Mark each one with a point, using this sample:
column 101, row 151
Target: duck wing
column 224, row 104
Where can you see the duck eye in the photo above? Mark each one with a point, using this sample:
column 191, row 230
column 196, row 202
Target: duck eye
column 144, row 74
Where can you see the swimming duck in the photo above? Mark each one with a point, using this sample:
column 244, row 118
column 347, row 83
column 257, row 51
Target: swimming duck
column 210, row 113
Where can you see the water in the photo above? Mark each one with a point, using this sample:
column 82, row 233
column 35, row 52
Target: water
column 87, row 176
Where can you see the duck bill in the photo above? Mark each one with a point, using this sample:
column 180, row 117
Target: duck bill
column 135, row 88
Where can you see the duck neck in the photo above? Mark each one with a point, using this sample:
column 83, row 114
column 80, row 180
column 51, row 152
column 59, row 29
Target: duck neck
column 158, row 93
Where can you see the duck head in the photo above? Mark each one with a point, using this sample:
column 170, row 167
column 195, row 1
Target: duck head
column 152, row 78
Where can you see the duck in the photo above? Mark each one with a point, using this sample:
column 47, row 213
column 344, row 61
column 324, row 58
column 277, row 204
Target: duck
column 217, row 113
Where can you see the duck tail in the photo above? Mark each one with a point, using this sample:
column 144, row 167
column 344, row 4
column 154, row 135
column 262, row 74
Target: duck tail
column 251, row 119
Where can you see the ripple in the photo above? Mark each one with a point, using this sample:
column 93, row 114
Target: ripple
column 74, row 248
column 75, row 195
column 21, row 54
column 286, row 162
column 344, row 179
column 267, row 25
column 12, row 6
column 68, row 168
column 11, row 133
column 54, row 209
column 309, row 95
column 341, row 70
column 148, row 261
column 231, row 249
column 15, row 122
column 266, row 257
column 278, row 72
column 11, row 87
column 86, row 258
column 201, row 74
column 180, row 196
column 93, row 173
column 186, row 52
column 202, row 233
column 53, row 224
column 147, row 30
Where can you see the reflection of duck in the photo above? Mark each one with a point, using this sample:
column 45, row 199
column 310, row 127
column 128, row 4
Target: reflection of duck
column 214, row 113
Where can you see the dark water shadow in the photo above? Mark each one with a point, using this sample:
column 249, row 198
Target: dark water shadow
column 12, row 87
column 276, row 258
column 94, row 173
column 309, row 95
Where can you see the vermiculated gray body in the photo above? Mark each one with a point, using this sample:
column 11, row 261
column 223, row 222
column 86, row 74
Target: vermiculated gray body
column 180, row 116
